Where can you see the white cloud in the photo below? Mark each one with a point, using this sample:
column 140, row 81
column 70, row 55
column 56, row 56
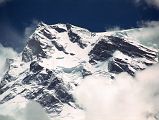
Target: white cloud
column 34, row 111
column 5, row 52
column 147, row 34
column 31, row 111
column 125, row 98
column 154, row 3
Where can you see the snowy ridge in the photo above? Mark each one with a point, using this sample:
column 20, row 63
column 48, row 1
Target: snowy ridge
column 57, row 58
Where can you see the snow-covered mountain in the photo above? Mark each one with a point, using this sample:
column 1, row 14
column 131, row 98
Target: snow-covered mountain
column 57, row 58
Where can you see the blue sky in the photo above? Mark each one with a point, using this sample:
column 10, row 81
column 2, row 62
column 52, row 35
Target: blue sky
column 95, row 15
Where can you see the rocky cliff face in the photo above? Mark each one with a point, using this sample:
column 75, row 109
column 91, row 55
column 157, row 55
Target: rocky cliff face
column 57, row 58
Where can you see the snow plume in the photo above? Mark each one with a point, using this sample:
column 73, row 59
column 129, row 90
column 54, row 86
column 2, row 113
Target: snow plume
column 147, row 34
column 30, row 29
column 5, row 52
column 115, row 28
column 125, row 98
column 22, row 111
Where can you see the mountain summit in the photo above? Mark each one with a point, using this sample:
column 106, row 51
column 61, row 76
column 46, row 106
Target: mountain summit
column 58, row 58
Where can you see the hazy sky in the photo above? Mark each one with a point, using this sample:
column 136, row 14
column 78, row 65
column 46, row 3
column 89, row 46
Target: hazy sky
column 17, row 17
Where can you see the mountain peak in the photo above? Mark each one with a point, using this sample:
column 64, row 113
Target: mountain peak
column 41, row 24
column 58, row 36
column 59, row 57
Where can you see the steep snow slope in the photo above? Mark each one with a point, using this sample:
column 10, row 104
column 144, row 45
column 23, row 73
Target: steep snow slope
column 57, row 58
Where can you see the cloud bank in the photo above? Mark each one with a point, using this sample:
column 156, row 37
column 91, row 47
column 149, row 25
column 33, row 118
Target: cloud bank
column 125, row 98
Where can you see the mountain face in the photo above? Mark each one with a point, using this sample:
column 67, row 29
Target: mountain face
column 57, row 58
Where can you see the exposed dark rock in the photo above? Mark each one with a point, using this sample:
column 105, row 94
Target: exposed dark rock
column 106, row 47
column 102, row 51
column 85, row 73
column 114, row 67
column 118, row 65
column 39, row 78
column 7, row 98
column 75, row 38
column 58, row 29
column 35, row 67
column 132, row 50
column 53, row 83
column 62, row 94
column 68, row 26
column 6, row 79
column 59, row 47
column 72, row 54
column 52, row 103
column 3, row 89
column 148, row 64
column 32, row 49
column 47, row 34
